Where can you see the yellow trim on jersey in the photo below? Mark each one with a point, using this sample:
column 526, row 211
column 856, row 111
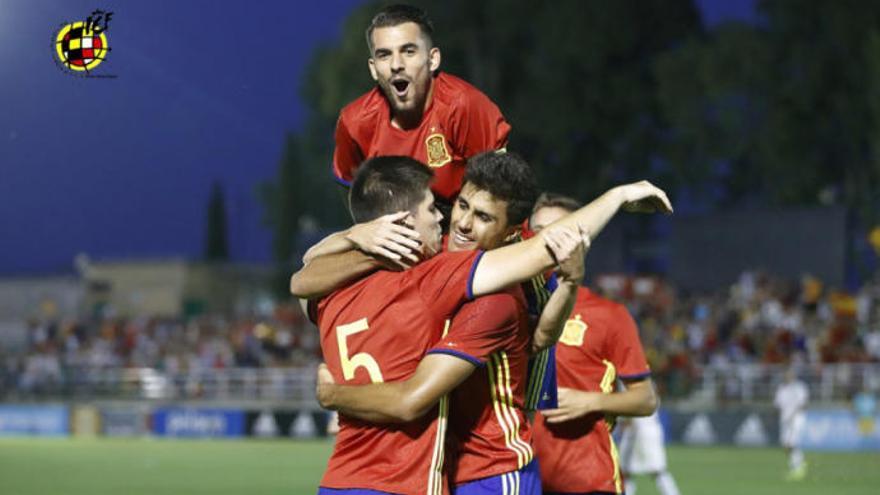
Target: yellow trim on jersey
column 505, row 413
column 607, row 386
column 608, row 379
column 499, row 406
column 512, row 410
column 615, row 459
column 435, row 475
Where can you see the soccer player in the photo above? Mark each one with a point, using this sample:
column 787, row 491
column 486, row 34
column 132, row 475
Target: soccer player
column 487, row 346
column 643, row 451
column 599, row 346
column 791, row 400
column 406, row 312
column 415, row 110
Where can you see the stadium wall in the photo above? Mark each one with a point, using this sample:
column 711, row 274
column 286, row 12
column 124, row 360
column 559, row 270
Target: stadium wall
column 177, row 421
column 707, row 252
column 825, row 429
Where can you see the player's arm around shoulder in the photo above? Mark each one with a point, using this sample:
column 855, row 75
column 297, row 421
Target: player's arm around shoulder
column 518, row 262
column 323, row 275
column 395, row 402
column 385, row 236
column 348, row 255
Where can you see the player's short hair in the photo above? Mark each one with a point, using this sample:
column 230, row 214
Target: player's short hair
column 507, row 176
column 387, row 184
column 395, row 15
column 554, row 200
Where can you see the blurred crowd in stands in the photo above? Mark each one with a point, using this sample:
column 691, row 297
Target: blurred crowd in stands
column 759, row 319
column 56, row 350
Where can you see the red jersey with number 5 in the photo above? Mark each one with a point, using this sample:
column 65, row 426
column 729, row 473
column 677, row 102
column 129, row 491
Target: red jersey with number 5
column 458, row 123
column 378, row 329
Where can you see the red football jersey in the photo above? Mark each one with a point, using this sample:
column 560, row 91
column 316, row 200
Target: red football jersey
column 600, row 344
column 458, row 123
column 489, row 431
column 378, row 329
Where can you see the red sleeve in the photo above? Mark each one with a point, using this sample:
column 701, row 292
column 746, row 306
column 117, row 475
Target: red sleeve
column 481, row 126
column 626, row 348
column 347, row 155
column 445, row 281
column 480, row 328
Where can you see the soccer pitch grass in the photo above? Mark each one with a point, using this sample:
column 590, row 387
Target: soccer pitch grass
column 218, row 467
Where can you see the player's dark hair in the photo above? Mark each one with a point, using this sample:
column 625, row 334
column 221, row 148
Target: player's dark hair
column 395, row 15
column 387, row 184
column 507, row 177
column 553, row 200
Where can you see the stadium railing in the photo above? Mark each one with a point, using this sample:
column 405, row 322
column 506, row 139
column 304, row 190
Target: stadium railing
column 757, row 383
column 729, row 384
column 288, row 385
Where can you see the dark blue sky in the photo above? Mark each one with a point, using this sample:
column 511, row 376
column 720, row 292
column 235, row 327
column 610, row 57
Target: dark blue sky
column 121, row 168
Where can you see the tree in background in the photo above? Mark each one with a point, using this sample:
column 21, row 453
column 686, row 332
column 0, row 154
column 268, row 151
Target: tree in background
column 784, row 110
column 216, row 242
column 575, row 79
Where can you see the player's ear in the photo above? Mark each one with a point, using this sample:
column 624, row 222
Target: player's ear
column 434, row 59
column 372, row 64
column 512, row 234
column 407, row 221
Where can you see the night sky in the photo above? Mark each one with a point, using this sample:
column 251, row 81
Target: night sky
column 121, row 168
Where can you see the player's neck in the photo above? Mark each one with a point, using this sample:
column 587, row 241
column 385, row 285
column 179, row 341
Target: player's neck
column 412, row 119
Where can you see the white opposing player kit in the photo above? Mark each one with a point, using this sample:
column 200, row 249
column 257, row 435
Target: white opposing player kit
column 642, row 449
column 791, row 399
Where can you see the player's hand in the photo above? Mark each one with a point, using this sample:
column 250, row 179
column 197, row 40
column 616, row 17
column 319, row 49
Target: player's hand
column 573, row 404
column 568, row 248
column 389, row 239
column 644, row 197
column 324, row 386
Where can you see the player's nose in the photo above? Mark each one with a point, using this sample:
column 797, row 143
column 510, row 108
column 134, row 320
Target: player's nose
column 396, row 62
column 465, row 222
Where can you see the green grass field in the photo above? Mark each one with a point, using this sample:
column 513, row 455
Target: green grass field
column 157, row 467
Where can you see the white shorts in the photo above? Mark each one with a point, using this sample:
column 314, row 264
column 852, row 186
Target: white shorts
column 642, row 448
column 790, row 431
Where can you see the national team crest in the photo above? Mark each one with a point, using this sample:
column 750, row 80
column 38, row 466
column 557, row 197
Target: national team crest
column 573, row 333
column 438, row 153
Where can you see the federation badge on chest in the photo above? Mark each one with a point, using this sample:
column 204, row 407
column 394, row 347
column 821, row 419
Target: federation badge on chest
column 573, row 333
column 438, row 153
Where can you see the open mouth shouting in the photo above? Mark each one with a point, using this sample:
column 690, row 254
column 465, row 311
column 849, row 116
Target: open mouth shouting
column 400, row 87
